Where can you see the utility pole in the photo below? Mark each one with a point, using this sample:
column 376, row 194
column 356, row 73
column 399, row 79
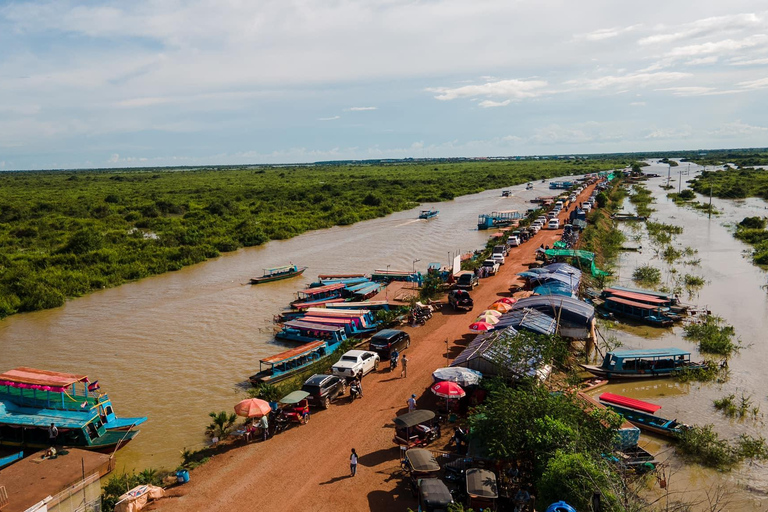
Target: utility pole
column 669, row 172
column 679, row 181
column 710, row 197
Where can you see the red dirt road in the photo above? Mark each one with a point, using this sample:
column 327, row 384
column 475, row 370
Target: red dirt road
column 307, row 467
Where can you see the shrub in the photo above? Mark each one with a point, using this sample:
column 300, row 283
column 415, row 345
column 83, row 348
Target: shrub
column 753, row 223
column 703, row 445
column 713, row 337
column 647, row 275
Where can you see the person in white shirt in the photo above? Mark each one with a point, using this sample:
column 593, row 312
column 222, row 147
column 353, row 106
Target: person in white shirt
column 353, row 462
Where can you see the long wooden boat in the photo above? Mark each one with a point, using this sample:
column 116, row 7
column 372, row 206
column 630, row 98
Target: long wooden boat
column 278, row 273
column 306, row 332
column 286, row 364
column 429, row 214
column 651, row 314
column 649, row 422
column 49, row 390
column 643, row 364
column 319, row 295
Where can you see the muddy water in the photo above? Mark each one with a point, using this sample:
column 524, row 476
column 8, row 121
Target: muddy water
column 733, row 291
column 173, row 347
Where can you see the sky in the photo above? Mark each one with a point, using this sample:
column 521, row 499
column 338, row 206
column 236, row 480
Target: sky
column 216, row 82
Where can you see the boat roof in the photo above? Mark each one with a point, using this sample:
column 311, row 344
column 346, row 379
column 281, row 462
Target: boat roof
column 323, row 289
column 644, row 292
column 328, row 320
column 650, row 352
column 422, row 460
column 339, row 276
column 34, row 377
column 636, row 296
column 413, row 418
column 284, row 268
column 12, row 414
column 632, row 303
column 481, row 482
column 632, row 403
column 310, row 326
column 337, row 312
column 293, row 353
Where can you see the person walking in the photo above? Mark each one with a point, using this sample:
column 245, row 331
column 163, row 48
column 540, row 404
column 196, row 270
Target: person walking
column 353, row 462
column 53, row 433
column 412, row 403
column 404, row 368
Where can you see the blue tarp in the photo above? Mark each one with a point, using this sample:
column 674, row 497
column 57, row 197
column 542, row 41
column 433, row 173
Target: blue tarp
column 554, row 288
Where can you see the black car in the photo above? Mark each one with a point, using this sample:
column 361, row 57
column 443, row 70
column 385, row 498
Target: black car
column 460, row 299
column 323, row 389
column 386, row 340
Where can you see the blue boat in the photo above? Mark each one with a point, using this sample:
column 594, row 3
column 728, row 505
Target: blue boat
column 286, row 364
column 649, row 422
column 498, row 219
column 305, row 332
column 651, row 314
column 643, row 364
column 10, row 459
column 429, row 214
column 47, row 390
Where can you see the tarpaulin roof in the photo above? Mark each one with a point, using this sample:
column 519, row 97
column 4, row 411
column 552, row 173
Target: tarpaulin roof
column 34, row 377
column 586, row 258
column 554, row 288
column 413, row 418
column 322, row 289
column 632, row 303
column 562, row 268
column 491, row 347
column 309, row 326
column 293, row 353
column 651, row 299
column 569, row 309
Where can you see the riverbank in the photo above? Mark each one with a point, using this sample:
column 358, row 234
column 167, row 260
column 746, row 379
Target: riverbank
column 314, row 458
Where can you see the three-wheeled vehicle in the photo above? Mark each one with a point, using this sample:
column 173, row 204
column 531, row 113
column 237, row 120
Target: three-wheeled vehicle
column 482, row 489
column 295, row 407
column 419, row 464
column 416, row 428
column 434, row 495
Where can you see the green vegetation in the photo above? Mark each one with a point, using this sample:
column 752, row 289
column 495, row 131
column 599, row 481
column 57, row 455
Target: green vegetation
column 119, row 484
column 641, row 198
column 647, row 275
column 662, row 233
column 703, row 445
column 732, row 408
column 751, row 230
column 671, row 163
column 713, row 336
column 712, row 372
column 602, row 237
column 221, row 424
column 692, row 281
column 65, row 234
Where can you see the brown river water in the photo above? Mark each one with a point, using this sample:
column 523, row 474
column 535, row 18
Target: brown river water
column 734, row 291
column 175, row 347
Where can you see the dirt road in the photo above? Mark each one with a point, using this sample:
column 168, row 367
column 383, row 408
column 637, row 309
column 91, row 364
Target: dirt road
column 307, row 467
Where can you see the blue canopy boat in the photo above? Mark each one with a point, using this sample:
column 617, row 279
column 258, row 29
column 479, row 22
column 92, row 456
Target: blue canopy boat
column 652, row 314
column 286, row 364
column 428, row 214
column 278, row 273
column 299, row 330
column 644, row 420
column 643, row 364
column 42, row 389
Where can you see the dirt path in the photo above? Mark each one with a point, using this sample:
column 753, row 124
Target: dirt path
column 307, row 467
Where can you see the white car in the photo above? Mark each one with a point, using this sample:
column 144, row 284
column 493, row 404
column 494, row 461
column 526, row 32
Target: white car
column 513, row 241
column 498, row 257
column 553, row 224
column 356, row 363
column 536, row 226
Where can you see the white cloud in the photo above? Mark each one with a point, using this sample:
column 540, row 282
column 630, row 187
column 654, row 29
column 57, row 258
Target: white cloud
column 491, row 104
column 706, row 26
column 606, row 33
column 737, row 129
column 333, row 118
column 689, row 91
column 360, row 109
column 670, row 133
column 511, row 89
column 760, row 83
column 114, row 158
column 719, row 47
column 702, row 61
column 637, row 104
column 629, row 80
column 748, row 62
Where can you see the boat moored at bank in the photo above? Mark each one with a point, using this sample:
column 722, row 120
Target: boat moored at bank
column 643, row 364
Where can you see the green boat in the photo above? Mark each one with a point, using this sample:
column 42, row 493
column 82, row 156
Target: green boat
column 278, row 273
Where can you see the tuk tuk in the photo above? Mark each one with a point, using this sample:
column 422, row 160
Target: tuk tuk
column 420, row 464
column 434, row 495
column 295, row 407
column 415, row 429
column 482, row 489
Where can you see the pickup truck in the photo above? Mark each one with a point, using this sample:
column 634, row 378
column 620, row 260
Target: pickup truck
column 460, row 299
column 492, row 266
column 466, row 280
column 356, row 363
column 500, row 249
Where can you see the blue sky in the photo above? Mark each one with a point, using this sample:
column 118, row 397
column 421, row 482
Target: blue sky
column 144, row 83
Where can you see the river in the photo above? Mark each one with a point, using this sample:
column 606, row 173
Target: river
column 734, row 291
column 175, row 347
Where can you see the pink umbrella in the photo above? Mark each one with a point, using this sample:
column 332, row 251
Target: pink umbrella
column 252, row 408
column 480, row 326
column 507, row 300
column 447, row 389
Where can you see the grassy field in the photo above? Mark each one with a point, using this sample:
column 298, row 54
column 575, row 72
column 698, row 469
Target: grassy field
column 66, row 233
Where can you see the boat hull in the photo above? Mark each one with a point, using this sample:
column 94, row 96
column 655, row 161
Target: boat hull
column 280, row 277
column 630, row 375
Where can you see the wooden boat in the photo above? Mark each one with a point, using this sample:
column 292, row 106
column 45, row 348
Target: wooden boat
column 305, row 332
column 529, row 186
column 319, row 295
column 278, row 273
column 648, row 422
column 643, row 364
column 628, row 217
column 506, row 193
column 286, row 364
column 651, row 314
column 48, row 390
column 7, row 460
column 498, row 219
column 429, row 214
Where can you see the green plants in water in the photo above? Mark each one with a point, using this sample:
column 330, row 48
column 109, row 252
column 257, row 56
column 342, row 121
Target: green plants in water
column 641, row 198
column 732, row 407
column 711, row 372
column 647, row 275
column 670, row 254
column 713, row 336
column 703, row 445
column 692, row 281
column 752, row 448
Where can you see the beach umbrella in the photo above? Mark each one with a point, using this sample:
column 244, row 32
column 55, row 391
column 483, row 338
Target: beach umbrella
column 447, row 389
column 480, row 326
column 500, row 306
column 252, row 408
column 462, row 376
column 489, row 319
column 491, row 312
column 507, row 300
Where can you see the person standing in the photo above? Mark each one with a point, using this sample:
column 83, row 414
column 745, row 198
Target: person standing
column 404, row 368
column 264, row 425
column 353, row 462
column 53, row 433
column 412, row 403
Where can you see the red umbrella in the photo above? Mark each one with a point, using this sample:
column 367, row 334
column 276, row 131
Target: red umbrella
column 480, row 326
column 252, row 408
column 507, row 300
column 447, row 389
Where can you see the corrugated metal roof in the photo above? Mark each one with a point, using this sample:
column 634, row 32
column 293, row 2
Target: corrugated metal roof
column 528, row 319
column 573, row 310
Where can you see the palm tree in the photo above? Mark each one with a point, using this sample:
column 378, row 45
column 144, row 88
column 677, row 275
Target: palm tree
column 221, row 424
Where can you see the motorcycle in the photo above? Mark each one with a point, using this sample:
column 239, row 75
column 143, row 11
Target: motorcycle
column 354, row 391
column 393, row 362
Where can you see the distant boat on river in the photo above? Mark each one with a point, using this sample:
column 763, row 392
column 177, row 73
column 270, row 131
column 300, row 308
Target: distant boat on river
column 278, row 273
column 429, row 214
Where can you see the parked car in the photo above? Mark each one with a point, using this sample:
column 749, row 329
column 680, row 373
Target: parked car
column 535, row 227
column 498, row 257
column 541, row 219
column 492, row 266
column 553, row 224
column 356, row 363
column 386, row 340
column 323, row 389
column 466, row 280
column 586, row 206
column 513, row 241
column 460, row 299
column 500, row 249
